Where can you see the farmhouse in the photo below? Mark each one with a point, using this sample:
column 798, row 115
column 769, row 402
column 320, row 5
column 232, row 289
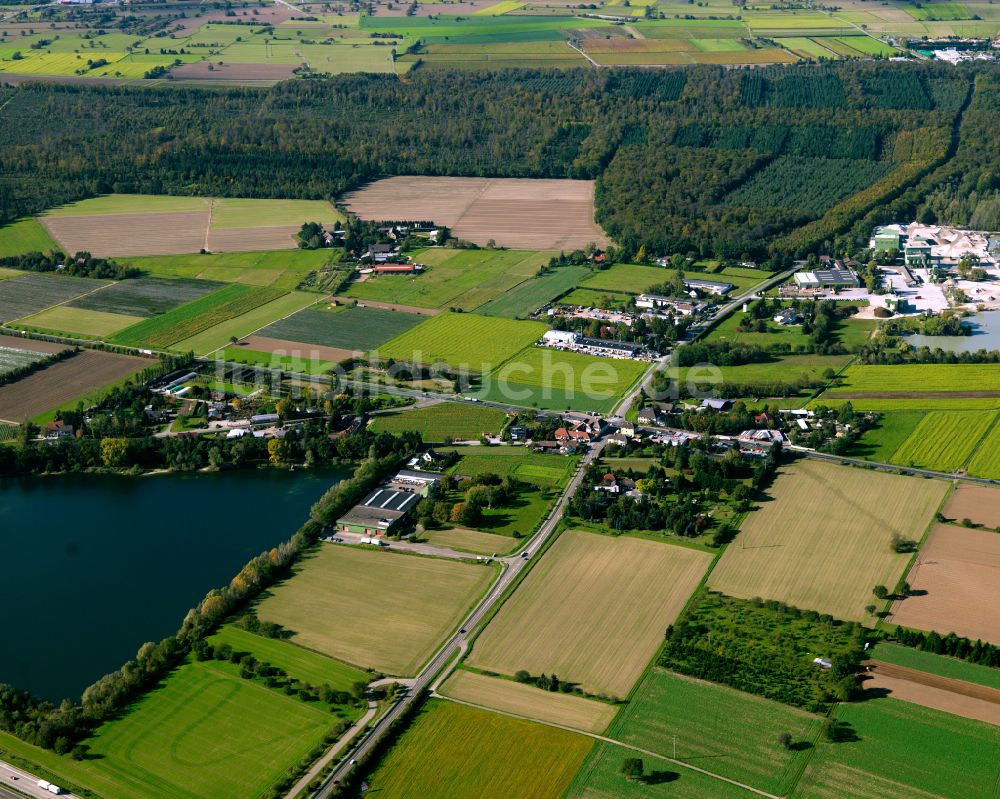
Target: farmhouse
column 55, row 430
column 834, row 277
column 709, row 286
column 385, row 507
column 381, row 253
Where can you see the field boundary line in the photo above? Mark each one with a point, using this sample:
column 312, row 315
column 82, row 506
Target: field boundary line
column 606, row 739
column 208, row 223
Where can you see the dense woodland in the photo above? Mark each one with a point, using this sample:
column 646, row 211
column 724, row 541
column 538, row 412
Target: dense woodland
column 704, row 160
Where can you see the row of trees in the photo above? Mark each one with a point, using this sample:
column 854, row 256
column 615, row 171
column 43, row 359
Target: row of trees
column 83, row 264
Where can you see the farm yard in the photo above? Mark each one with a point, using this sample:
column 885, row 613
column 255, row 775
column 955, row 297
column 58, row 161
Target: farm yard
column 106, row 226
column 167, row 744
column 592, row 611
column 323, row 605
column 466, row 753
column 955, row 583
column 462, row 279
column 529, row 701
column 712, row 723
column 444, row 421
column 63, row 382
column 514, row 212
column 356, row 328
column 462, row 341
column 823, row 541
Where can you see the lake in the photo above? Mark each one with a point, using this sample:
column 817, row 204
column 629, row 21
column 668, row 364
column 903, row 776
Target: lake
column 96, row 565
column 985, row 335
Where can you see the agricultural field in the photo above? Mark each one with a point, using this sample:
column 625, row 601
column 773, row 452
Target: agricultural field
column 11, row 359
column 804, row 370
column 204, row 732
column 462, row 279
column 466, row 753
column 64, row 382
column 289, row 361
column 630, row 278
column 473, row 541
column 892, row 429
column 79, row 322
column 874, row 758
column 545, row 471
column 463, row 341
column 528, row 701
column 444, row 421
column 919, row 386
column 106, row 226
column 711, row 723
column 329, row 606
column 827, row 562
column 258, row 268
column 528, row 297
column 979, row 504
column 940, row 665
column 851, row 332
column 588, row 298
column 543, row 377
column 195, row 317
column 33, row 292
column 593, row 611
column 514, row 212
column 24, row 236
column 955, row 584
column 986, row 460
column 944, row 440
column 356, row 328
column 145, row 296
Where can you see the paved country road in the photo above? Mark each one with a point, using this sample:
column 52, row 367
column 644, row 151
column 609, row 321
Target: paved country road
column 16, row 784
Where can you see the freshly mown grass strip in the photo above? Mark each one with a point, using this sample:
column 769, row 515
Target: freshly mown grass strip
column 204, row 732
column 474, row 541
column 302, row 664
column 445, row 421
column 593, row 611
column 24, row 236
column 711, row 724
column 529, row 701
column 466, row 753
column 243, row 324
column 824, row 542
column 78, row 321
column 194, row 317
column 941, row 665
column 476, row 343
column 353, row 328
column 374, row 609
column 986, row 460
column 944, row 440
column 892, row 429
column 145, row 296
column 533, row 294
column 874, row 759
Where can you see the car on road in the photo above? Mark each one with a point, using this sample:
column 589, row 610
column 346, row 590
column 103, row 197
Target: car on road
column 525, row 555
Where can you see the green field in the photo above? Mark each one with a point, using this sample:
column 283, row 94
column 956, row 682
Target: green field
column 590, row 298
column 944, row 440
column 447, row 420
column 374, row 609
column 601, row 778
column 463, row 341
column 545, row 471
column 918, row 379
column 892, row 429
column 806, row 370
column 986, row 460
column 464, row 753
column 942, row 665
column 630, row 278
column 711, row 724
column 462, row 279
column 32, row 292
column 925, row 12
column 272, row 360
column 531, row 295
column 850, row 332
column 243, row 324
column 205, row 732
column 352, row 328
column 897, row 750
column 194, row 317
column 23, row 236
column 302, row 664
column 79, row 321
column 284, row 270
column 145, row 296
column 547, row 378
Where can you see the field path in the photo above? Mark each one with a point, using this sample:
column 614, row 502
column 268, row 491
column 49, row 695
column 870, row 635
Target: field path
column 581, row 52
column 208, row 222
column 64, row 302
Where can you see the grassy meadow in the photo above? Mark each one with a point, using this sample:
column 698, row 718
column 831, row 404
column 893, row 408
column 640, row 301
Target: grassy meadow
column 444, row 421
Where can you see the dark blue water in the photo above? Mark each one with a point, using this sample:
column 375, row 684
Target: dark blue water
column 94, row 566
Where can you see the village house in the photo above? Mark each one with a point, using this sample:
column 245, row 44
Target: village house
column 54, row 430
column 787, row 316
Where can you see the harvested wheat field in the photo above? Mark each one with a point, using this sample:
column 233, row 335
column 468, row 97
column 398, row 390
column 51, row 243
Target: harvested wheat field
column 519, row 213
column 130, row 234
column 529, row 702
column 930, row 690
column 824, row 541
column 63, row 382
column 956, row 581
column 593, row 611
column 980, row 504
column 251, row 239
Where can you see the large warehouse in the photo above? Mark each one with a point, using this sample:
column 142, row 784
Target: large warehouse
column 833, row 278
column 385, row 507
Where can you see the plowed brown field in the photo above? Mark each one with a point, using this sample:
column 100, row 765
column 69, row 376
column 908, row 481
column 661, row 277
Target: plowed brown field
column 981, row 504
column 940, row 693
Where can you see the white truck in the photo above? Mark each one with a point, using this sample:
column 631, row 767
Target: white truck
column 375, row 542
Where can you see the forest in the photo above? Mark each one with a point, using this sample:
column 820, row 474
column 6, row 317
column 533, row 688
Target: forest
column 705, row 160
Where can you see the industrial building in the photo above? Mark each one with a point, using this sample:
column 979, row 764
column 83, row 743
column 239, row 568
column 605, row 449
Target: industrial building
column 385, row 507
column 834, row 277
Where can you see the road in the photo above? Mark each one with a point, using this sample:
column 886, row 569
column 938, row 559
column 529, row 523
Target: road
column 333, row 751
column 512, row 568
column 16, row 784
column 825, row 456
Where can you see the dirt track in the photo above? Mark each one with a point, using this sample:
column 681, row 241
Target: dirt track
column 941, row 693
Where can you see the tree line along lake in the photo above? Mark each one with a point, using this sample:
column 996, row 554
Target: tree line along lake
column 97, row 565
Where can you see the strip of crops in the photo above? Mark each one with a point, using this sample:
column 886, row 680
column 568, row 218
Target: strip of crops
column 944, row 440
